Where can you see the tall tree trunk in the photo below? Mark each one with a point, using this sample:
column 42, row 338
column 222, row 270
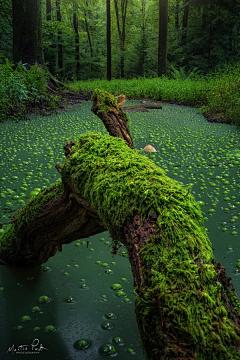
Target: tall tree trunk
column 27, row 31
column 48, row 10
column 121, row 30
column 77, row 55
column 143, row 27
column 50, row 52
column 109, row 51
column 89, row 41
column 185, row 22
column 162, row 38
column 177, row 15
column 60, row 47
column 185, row 305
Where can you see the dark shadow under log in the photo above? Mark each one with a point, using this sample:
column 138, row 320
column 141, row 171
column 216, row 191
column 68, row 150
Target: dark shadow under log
column 186, row 306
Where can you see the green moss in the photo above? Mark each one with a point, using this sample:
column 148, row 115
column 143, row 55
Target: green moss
column 189, row 296
column 178, row 271
column 34, row 206
column 28, row 213
column 106, row 100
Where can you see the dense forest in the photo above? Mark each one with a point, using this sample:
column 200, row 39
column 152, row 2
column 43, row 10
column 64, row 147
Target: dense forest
column 196, row 34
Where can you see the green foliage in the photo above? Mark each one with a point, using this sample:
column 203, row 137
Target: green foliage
column 182, row 74
column 22, row 88
column 218, row 94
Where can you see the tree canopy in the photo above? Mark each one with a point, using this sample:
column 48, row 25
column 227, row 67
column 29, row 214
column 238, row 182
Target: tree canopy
column 201, row 34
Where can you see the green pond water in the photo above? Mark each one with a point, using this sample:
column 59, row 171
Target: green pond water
column 83, row 305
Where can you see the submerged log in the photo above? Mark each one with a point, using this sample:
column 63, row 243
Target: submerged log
column 186, row 306
column 143, row 107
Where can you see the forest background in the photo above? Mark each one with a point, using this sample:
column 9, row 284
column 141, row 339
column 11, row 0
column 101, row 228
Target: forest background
column 176, row 39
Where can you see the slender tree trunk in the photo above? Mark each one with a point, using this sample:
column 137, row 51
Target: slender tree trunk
column 27, row 31
column 89, row 41
column 121, row 30
column 48, row 10
column 186, row 306
column 77, row 55
column 162, row 38
column 185, row 22
column 60, row 47
column 143, row 27
column 177, row 15
column 50, row 52
column 109, row 51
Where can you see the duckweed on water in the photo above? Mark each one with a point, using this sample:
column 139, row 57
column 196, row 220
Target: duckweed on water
column 118, row 340
column 49, row 328
column 70, row 300
column 26, row 318
column 120, row 293
column 110, row 316
column 107, row 326
column 108, row 349
column 43, row 299
column 116, row 287
column 36, row 308
column 83, row 344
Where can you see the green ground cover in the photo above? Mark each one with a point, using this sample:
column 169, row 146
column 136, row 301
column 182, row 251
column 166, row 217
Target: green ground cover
column 217, row 95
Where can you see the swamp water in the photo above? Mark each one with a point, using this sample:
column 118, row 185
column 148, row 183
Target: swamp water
column 78, row 281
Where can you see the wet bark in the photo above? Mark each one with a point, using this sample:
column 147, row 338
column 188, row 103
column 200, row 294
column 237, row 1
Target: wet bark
column 144, row 107
column 65, row 215
column 114, row 120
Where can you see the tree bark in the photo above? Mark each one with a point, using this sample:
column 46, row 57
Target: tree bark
column 177, row 15
column 27, row 32
column 185, row 22
column 162, row 37
column 143, row 47
column 60, row 47
column 185, row 305
column 109, row 51
column 121, row 30
column 89, row 39
column 77, row 55
column 48, row 10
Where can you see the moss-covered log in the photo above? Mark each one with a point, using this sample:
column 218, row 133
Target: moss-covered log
column 186, row 306
column 108, row 109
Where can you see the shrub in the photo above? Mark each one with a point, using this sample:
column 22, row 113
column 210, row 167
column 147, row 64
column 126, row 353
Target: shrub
column 22, row 88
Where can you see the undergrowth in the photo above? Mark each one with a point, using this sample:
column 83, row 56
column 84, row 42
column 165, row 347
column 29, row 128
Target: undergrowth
column 217, row 94
column 23, row 88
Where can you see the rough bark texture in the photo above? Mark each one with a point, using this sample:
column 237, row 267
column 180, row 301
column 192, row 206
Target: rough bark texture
column 27, row 31
column 186, row 306
column 108, row 109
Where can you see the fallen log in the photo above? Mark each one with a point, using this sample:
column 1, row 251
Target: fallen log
column 186, row 306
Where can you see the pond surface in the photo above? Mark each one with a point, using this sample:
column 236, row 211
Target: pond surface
column 204, row 155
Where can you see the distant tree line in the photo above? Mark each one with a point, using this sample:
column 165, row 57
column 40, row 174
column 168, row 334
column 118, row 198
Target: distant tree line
column 145, row 37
